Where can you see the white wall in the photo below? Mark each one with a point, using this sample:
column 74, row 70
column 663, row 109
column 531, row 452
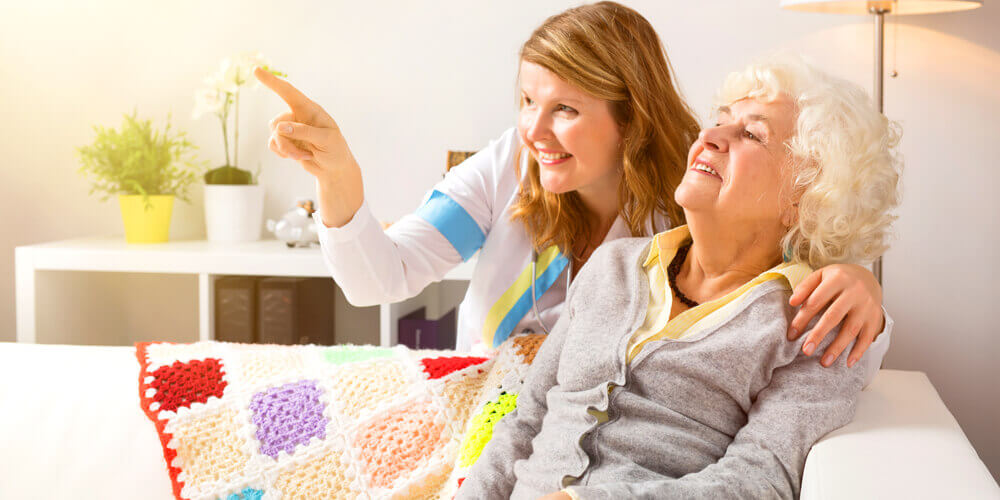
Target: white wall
column 407, row 83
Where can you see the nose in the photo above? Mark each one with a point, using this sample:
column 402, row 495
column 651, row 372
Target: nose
column 715, row 138
column 537, row 126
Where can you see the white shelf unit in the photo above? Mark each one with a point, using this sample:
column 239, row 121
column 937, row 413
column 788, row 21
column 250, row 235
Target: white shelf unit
column 206, row 259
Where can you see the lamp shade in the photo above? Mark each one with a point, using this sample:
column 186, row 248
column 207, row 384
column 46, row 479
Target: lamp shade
column 861, row 7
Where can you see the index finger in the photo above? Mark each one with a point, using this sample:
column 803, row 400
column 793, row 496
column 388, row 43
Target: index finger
column 805, row 287
column 291, row 95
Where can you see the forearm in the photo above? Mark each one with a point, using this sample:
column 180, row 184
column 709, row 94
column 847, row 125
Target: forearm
column 341, row 197
column 374, row 267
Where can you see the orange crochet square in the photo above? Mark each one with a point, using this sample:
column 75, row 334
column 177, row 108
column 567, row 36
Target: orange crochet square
column 399, row 443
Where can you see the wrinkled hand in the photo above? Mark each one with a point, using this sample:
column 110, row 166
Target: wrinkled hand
column 306, row 133
column 854, row 297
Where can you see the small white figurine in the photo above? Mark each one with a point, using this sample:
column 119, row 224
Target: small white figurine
column 297, row 227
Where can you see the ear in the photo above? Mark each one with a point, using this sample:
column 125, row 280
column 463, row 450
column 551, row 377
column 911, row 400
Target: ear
column 790, row 216
column 790, row 195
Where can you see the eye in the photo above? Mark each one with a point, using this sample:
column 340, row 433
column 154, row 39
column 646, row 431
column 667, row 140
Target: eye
column 751, row 135
column 527, row 100
column 563, row 107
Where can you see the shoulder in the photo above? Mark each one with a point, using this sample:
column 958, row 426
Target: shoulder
column 508, row 152
column 493, row 165
column 771, row 298
column 508, row 140
column 760, row 317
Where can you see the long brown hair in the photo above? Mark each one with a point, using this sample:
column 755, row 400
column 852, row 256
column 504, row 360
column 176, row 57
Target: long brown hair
column 611, row 52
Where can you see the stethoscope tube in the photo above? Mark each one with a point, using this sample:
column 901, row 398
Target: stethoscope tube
column 534, row 300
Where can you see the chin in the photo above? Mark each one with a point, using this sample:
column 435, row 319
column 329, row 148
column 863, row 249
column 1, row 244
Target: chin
column 688, row 197
column 554, row 184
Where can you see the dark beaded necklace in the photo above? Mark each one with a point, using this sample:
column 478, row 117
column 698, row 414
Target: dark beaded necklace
column 673, row 269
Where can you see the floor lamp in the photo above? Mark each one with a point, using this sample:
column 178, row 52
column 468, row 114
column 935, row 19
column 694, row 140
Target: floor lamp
column 879, row 9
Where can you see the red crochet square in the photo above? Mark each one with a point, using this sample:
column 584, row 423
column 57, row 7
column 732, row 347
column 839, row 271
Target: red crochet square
column 439, row 367
column 182, row 384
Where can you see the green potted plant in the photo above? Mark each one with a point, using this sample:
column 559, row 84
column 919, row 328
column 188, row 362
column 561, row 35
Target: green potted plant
column 234, row 201
column 146, row 168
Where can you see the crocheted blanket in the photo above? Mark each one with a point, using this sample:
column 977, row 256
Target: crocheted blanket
column 251, row 421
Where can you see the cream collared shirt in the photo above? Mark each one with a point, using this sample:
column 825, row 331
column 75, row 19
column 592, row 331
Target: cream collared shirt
column 658, row 324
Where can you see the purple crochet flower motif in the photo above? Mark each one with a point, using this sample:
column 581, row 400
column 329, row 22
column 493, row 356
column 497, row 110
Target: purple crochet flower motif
column 288, row 416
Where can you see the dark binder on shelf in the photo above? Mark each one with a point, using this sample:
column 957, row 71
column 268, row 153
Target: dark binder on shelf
column 295, row 311
column 236, row 309
column 417, row 332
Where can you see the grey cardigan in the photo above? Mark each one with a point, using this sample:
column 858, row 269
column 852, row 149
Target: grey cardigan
column 729, row 413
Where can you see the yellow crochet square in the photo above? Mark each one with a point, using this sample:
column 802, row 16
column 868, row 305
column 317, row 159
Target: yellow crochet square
column 258, row 365
column 324, row 477
column 480, row 429
column 210, row 450
column 365, row 385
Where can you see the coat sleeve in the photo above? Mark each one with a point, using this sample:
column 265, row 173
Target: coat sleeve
column 492, row 476
column 373, row 266
column 803, row 402
column 871, row 360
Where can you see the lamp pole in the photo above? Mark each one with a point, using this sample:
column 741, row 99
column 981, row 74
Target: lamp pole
column 879, row 50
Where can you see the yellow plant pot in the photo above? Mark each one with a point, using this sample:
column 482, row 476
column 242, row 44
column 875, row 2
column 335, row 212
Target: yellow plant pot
column 146, row 226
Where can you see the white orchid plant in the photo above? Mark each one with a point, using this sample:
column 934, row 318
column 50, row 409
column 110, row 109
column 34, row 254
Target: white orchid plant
column 222, row 93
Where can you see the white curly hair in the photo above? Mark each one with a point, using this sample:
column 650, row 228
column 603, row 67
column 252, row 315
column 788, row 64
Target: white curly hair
column 844, row 166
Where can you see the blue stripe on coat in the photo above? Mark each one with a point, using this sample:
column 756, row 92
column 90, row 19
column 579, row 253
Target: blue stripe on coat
column 453, row 222
column 523, row 304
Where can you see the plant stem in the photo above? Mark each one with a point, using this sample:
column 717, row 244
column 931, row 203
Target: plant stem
column 225, row 136
column 236, row 129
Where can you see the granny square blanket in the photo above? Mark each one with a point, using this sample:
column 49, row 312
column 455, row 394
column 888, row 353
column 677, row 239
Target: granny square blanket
column 262, row 422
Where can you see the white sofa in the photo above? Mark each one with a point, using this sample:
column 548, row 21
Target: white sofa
column 71, row 427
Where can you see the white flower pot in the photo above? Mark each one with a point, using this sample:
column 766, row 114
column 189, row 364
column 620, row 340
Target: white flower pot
column 234, row 212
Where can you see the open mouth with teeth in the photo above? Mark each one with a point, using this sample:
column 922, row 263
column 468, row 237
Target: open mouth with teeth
column 553, row 158
column 701, row 167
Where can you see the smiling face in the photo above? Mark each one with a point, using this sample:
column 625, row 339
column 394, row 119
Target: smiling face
column 737, row 169
column 572, row 135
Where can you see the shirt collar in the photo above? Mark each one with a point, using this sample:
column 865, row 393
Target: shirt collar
column 793, row 272
column 671, row 238
column 618, row 229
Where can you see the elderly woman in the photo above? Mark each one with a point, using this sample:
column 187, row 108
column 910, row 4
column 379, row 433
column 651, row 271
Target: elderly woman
column 668, row 376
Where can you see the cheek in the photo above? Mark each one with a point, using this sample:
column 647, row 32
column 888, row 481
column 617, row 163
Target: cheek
column 596, row 149
column 755, row 190
column 567, row 134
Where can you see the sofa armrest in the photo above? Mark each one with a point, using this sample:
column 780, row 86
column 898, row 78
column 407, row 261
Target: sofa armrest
column 72, row 426
column 902, row 443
